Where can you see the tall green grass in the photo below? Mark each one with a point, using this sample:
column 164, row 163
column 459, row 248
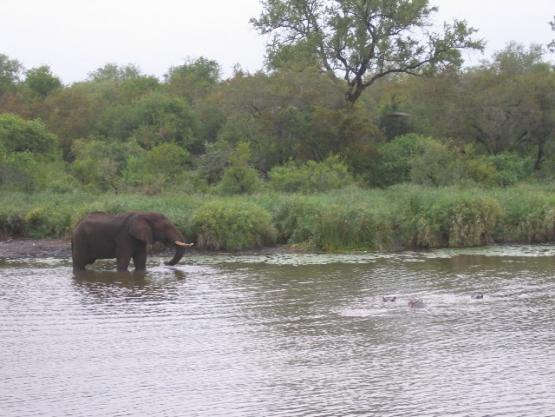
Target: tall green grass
column 400, row 217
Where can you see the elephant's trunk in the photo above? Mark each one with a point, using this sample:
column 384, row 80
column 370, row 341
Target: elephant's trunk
column 179, row 252
column 180, row 247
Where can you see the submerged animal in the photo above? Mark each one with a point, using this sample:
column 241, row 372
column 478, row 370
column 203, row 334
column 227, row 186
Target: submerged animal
column 416, row 303
column 477, row 295
column 390, row 298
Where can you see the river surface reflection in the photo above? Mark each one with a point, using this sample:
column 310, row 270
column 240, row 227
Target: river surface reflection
column 282, row 335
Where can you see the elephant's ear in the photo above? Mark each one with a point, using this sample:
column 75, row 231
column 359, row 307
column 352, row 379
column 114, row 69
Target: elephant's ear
column 140, row 229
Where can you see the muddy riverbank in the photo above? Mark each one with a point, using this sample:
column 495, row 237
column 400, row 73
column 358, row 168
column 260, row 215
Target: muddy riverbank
column 59, row 248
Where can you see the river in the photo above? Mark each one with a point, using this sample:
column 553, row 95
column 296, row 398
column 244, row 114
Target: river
column 283, row 335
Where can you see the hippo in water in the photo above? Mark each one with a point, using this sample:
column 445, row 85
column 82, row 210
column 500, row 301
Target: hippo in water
column 390, row 299
column 477, row 295
column 416, row 303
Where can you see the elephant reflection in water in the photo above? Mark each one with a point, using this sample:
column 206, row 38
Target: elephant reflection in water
column 121, row 286
column 124, row 237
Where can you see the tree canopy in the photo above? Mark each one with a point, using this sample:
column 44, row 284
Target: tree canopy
column 363, row 41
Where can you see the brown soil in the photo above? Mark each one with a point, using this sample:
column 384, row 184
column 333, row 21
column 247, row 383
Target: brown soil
column 35, row 248
column 58, row 248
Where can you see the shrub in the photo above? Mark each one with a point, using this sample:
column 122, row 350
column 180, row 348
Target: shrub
column 446, row 217
column 394, row 160
column 436, row 165
column 152, row 171
column 529, row 218
column 232, row 225
column 99, row 164
column 511, row 167
column 22, row 136
column 311, row 177
column 239, row 177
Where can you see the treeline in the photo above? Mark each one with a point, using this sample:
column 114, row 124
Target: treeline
column 286, row 129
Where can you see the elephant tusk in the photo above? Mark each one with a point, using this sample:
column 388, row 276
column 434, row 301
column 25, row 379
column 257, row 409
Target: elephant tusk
column 187, row 245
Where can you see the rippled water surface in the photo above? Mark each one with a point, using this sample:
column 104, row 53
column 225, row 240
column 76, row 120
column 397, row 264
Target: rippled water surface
column 282, row 335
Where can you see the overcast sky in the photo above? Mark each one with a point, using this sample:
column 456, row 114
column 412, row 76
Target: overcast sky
column 74, row 37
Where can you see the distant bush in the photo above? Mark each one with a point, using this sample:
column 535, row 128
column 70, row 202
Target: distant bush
column 239, row 177
column 311, row 177
column 511, row 167
column 151, row 120
column 395, row 159
column 18, row 135
column 232, row 225
column 99, row 164
column 406, row 216
column 167, row 164
column 23, row 171
column 529, row 216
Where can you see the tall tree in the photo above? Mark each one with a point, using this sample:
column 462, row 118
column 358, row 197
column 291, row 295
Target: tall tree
column 551, row 44
column 193, row 79
column 10, row 73
column 41, row 81
column 362, row 41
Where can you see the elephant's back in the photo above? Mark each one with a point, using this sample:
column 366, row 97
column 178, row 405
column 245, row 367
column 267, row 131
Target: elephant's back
column 99, row 225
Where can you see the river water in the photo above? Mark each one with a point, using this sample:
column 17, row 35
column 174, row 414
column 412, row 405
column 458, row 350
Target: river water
column 282, row 335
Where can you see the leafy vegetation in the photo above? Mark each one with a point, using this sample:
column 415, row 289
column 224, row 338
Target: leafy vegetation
column 334, row 146
column 401, row 217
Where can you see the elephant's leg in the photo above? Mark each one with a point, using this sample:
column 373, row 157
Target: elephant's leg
column 139, row 257
column 123, row 256
column 78, row 255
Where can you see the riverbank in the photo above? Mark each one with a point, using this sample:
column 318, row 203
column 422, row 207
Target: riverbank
column 398, row 218
column 61, row 249
column 34, row 248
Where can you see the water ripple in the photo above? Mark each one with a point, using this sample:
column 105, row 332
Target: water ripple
column 283, row 335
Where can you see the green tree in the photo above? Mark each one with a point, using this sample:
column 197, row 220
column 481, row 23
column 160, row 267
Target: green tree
column 10, row 73
column 99, row 164
column 41, row 81
column 114, row 72
column 239, row 177
column 153, row 119
column 194, row 79
column 551, row 44
column 363, row 41
column 18, row 135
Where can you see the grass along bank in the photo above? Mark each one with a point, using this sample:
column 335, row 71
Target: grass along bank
column 400, row 217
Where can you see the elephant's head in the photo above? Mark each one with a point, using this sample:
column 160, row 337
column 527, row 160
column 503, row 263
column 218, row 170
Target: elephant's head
column 155, row 227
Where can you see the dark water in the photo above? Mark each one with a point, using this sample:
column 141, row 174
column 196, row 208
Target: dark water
column 283, row 335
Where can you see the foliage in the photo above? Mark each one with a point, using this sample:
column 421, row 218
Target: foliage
column 232, row 225
column 41, row 81
column 151, row 120
column 194, row 79
column 99, row 164
column 401, row 217
column 10, row 73
column 114, row 72
column 393, row 162
column 19, row 135
column 362, row 42
column 239, row 177
column 311, row 177
column 163, row 166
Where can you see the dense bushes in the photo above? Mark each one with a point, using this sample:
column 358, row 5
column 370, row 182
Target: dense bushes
column 402, row 217
column 232, row 225
column 311, row 177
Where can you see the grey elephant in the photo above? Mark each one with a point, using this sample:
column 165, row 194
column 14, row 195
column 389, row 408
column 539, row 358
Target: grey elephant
column 124, row 237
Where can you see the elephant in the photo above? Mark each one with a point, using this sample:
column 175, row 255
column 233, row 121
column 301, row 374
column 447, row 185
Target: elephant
column 124, row 237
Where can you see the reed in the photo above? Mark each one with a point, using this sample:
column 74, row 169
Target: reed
column 400, row 217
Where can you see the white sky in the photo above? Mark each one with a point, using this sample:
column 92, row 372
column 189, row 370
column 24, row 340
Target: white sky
column 74, row 37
